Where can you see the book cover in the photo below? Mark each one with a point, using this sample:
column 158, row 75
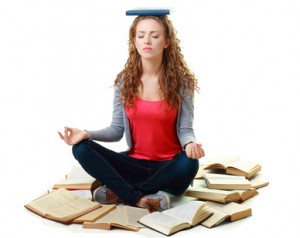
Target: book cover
column 149, row 12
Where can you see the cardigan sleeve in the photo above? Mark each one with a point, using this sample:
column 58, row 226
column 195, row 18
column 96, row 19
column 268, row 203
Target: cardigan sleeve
column 185, row 121
column 115, row 131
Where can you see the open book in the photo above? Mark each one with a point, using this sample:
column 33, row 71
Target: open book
column 77, row 179
column 231, row 211
column 225, row 181
column 125, row 217
column 258, row 181
column 199, row 190
column 178, row 218
column 61, row 205
column 233, row 165
column 95, row 214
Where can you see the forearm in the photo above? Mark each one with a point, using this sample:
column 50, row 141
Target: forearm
column 108, row 134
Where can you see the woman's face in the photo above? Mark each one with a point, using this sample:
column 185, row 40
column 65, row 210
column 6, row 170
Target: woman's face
column 150, row 39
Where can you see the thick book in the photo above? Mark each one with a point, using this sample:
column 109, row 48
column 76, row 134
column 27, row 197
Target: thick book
column 61, row 205
column 225, row 212
column 77, row 179
column 234, row 165
column 199, row 190
column 226, row 182
column 178, row 218
column 125, row 217
column 235, row 211
column 258, row 181
column 95, row 214
column 149, row 12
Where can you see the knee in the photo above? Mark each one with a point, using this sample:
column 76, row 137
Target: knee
column 194, row 167
column 191, row 166
column 80, row 150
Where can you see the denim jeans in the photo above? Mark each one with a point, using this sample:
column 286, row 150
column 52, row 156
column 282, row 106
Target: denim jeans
column 131, row 178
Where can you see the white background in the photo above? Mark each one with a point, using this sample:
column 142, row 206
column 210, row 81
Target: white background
column 58, row 61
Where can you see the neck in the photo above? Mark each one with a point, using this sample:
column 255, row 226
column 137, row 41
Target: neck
column 151, row 68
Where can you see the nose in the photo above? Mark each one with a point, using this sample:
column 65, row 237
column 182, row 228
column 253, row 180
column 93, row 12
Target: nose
column 147, row 40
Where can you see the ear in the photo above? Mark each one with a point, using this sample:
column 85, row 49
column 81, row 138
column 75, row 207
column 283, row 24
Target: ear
column 167, row 43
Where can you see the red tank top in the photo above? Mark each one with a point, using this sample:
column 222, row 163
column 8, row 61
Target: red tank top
column 153, row 130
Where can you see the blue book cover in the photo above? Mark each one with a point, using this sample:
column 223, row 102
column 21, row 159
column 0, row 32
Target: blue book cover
column 148, row 12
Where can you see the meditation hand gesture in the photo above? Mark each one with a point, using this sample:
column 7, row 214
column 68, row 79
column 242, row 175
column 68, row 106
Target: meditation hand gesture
column 194, row 150
column 73, row 136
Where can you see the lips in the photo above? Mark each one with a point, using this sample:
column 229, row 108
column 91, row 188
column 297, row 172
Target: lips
column 147, row 49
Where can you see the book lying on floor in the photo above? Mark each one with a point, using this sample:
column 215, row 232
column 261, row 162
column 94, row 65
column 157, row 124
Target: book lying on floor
column 202, row 171
column 95, row 214
column 83, row 193
column 61, row 205
column 77, row 179
column 233, row 165
column 178, row 218
column 225, row 181
column 258, row 181
column 125, row 217
column 231, row 211
column 199, row 190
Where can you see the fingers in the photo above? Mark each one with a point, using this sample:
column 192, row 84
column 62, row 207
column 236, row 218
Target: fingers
column 196, row 151
column 66, row 136
column 61, row 135
column 200, row 150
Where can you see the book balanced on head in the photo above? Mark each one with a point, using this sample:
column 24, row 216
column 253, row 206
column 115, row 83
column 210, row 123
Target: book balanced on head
column 177, row 218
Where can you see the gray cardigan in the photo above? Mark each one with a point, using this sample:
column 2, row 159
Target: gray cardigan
column 120, row 122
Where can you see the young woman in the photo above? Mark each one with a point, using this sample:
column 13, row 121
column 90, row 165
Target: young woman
column 153, row 106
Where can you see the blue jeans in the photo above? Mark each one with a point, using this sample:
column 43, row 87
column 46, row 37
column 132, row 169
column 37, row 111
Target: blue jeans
column 131, row 178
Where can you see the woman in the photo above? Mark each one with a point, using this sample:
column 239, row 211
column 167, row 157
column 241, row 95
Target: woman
column 153, row 106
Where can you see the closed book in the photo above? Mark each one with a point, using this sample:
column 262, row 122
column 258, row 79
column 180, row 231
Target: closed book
column 148, row 12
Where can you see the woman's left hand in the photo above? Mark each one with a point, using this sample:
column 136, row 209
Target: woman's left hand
column 194, row 150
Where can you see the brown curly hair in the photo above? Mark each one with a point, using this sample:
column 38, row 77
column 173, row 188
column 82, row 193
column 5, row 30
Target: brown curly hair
column 175, row 72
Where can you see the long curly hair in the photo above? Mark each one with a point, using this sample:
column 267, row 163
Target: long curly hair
column 175, row 72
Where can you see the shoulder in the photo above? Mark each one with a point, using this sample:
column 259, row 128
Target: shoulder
column 119, row 80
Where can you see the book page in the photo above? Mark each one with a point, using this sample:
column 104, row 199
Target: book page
column 186, row 211
column 245, row 166
column 133, row 215
column 223, row 160
column 212, row 192
column 95, row 214
column 73, row 207
column 108, row 218
column 223, row 176
column 229, row 208
column 215, row 219
column 218, row 181
column 258, row 181
column 83, row 193
column 82, row 181
column 53, row 200
column 163, row 222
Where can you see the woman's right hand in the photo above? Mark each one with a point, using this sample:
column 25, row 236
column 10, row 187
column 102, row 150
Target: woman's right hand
column 73, row 136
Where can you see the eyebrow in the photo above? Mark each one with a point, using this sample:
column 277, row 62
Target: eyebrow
column 150, row 31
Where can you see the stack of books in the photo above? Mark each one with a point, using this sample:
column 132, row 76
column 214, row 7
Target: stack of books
column 225, row 183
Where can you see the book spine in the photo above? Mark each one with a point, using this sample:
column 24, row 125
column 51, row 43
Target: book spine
column 156, row 12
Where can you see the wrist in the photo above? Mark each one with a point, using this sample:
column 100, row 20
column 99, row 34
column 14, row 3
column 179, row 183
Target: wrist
column 184, row 147
column 86, row 135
